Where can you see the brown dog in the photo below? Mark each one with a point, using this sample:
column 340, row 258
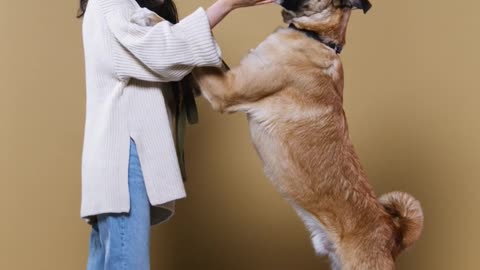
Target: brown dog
column 291, row 87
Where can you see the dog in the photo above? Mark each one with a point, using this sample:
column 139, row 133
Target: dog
column 291, row 88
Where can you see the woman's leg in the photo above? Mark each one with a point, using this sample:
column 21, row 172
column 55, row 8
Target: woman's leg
column 126, row 237
column 96, row 256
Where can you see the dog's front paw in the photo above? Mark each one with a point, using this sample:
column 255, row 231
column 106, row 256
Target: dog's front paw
column 206, row 77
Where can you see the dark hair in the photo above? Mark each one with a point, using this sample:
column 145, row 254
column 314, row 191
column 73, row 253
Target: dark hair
column 166, row 10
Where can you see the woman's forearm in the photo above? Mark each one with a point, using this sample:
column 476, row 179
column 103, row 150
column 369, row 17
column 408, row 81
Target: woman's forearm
column 218, row 11
column 221, row 8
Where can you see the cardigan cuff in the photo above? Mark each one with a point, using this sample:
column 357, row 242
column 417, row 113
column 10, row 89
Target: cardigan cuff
column 196, row 29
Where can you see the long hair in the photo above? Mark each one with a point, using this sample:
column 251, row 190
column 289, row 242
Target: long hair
column 82, row 8
column 166, row 10
column 185, row 90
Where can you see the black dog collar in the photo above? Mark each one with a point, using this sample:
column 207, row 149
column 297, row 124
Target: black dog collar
column 336, row 47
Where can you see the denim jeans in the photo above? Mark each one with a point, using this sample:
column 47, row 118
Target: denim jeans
column 122, row 241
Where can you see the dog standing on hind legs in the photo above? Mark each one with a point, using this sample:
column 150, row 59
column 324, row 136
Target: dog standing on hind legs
column 291, row 88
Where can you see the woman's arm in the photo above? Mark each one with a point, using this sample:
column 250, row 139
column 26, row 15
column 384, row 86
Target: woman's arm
column 221, row 8
column 165, row 52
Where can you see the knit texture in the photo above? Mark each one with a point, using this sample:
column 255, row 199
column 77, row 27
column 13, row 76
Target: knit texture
column 130, row 55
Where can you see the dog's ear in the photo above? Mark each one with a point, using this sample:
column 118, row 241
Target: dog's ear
column 288, row 15
column 361, row 4
column 341, row 3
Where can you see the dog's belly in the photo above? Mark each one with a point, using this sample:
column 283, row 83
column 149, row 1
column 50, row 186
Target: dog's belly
column 274, row 124
column 276, row 165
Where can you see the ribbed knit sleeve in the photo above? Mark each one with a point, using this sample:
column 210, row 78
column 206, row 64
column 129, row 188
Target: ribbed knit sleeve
column 162, row 51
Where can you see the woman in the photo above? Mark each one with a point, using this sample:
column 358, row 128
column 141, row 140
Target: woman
column 130, row 171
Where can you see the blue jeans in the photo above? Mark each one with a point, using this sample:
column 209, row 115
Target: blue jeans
column 122, row 241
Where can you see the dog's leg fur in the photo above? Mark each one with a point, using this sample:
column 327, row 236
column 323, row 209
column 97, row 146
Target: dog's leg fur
column 244, row 84
column 321, row 242
column 355, row 259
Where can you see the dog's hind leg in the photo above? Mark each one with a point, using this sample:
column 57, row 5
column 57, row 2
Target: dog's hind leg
column 334, row 262
column 320, row 240
column 363, row 258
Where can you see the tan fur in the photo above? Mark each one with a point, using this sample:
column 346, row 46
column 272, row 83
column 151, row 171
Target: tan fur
column 291, row 87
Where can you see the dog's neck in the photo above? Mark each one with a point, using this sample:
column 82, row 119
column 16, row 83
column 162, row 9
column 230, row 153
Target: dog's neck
column 330, row 24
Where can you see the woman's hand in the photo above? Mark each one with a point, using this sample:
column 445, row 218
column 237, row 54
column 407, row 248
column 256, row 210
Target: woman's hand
column 221, row 8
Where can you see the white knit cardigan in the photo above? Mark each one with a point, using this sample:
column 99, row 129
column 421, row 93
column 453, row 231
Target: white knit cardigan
column 130, row 54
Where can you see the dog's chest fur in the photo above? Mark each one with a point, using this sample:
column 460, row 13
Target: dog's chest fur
column 308, row 102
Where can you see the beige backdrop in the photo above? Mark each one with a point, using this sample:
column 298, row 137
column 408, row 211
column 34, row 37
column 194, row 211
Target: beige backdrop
column 411, row 96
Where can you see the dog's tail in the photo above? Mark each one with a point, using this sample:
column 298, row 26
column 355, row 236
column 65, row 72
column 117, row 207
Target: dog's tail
column 407, row 215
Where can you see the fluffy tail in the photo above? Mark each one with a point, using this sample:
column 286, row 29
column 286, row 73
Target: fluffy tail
column 407, row 215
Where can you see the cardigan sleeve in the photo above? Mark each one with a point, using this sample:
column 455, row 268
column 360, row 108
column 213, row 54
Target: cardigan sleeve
column 162, row 51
